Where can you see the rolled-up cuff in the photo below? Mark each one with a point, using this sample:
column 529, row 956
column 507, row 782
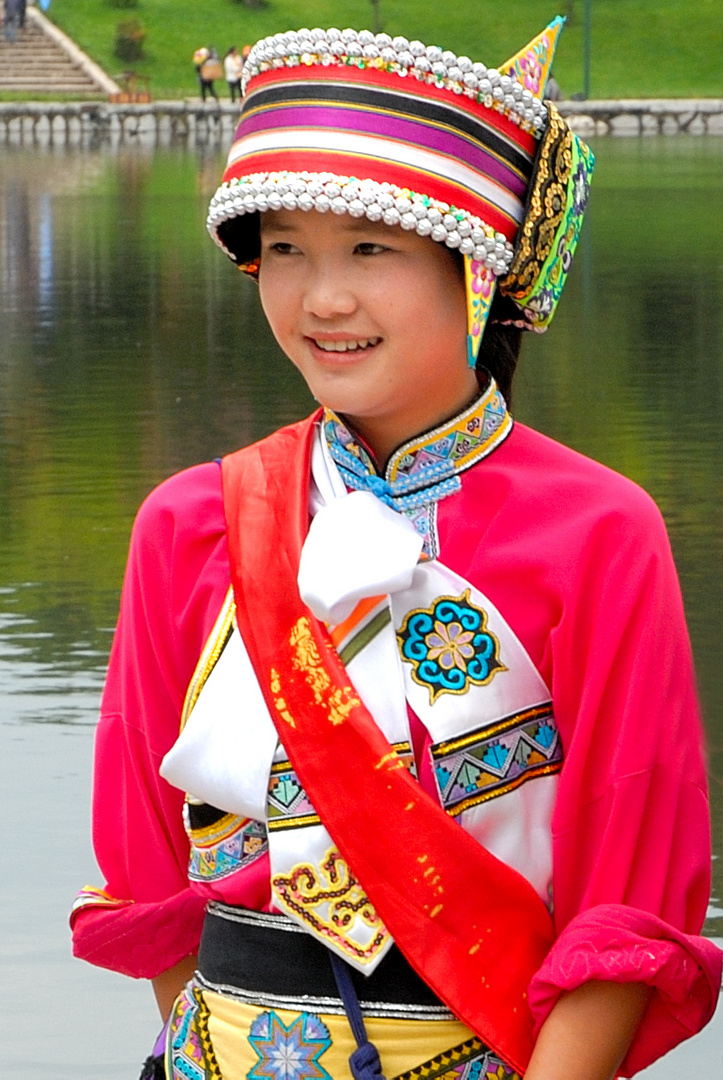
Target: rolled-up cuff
column 615, row 943
column 140, row 940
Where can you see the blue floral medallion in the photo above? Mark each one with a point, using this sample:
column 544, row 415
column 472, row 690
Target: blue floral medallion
column 449, row 646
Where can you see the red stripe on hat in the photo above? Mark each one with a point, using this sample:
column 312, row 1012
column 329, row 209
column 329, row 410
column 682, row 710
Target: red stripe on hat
column 369, row 168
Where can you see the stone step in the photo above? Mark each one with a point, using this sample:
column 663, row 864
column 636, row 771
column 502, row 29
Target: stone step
column 37, row 62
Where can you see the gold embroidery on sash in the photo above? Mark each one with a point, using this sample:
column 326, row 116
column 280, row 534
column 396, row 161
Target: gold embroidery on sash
column 332, row 903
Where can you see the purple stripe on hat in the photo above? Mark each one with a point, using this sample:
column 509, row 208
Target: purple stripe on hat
column 383, row 125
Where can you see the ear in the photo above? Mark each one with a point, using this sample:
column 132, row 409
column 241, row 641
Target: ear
column 532, row 64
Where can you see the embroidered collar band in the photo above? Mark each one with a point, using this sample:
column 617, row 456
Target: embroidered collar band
column 427, row 468
column 414, row 136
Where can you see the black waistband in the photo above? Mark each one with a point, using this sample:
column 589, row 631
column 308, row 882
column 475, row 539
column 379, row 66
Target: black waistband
column 268, row 954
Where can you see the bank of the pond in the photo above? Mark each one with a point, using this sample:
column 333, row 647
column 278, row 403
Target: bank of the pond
column 167, row 122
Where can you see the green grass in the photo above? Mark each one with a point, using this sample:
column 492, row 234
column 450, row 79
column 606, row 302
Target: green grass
column 640, row 48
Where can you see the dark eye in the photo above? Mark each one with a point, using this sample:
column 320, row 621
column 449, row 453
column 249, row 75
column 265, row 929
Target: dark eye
column 368, row 248
column 282, row 247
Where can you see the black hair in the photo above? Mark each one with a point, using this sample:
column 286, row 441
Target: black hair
column 501, row 343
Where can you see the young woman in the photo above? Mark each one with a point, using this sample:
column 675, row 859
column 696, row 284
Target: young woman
column 400, row 722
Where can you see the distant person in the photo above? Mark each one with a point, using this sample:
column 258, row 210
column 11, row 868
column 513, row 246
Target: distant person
column 206, row 63
column 233, row 66
column 14, row 19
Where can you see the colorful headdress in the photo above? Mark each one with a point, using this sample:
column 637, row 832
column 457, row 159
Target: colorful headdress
column 411, row 135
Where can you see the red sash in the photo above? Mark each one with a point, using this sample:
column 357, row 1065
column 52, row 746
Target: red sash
column 472, row 927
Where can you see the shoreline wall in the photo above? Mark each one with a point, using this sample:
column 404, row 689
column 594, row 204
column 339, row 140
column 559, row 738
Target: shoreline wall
column 165, row 123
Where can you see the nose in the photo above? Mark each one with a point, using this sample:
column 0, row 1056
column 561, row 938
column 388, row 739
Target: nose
column 328, row 292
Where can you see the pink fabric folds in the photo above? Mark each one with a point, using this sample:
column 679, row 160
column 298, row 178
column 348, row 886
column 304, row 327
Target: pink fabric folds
column 615, row 943
column 141, row 940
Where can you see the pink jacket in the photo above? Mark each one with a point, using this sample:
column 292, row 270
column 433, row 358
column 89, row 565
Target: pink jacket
column 577, row 560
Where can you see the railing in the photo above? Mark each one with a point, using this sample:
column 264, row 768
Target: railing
column 167, row 122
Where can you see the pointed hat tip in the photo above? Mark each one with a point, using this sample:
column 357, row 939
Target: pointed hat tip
column 532, row 64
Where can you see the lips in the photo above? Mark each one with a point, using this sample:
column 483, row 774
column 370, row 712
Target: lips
column 346, row 345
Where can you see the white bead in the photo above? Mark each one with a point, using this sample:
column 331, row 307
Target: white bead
column 274, row 201
column 466, row 246
column 332, row 190
column 449, row 58
column 416, row 48
column 400, row 44
column 383, row 40
column 470, row 80
column 480, row 252
column 249, row 204
column 354, row 49
column 339, row 205
column 453, row 239
column 480, row 70
column 439, row 233
column 505, row 82
column 388, row 54
column 366, row 37
column 498, row 93
column 464, row 63
column 454, row 73
column 305, row 201
column 405, row 58
column 403, row 204
column 422, row 64
column 322, row 203
column 385, row 200
column 419, row 210
column 438, row 68
column 464, row 228
column 408, row 222
column 450, row 222
column 289, row 201
column 424, row 227
column 485, row 86
column 370, row 51
column 333, row 34
column 348, row 35
column 374, row 212
column 494, row 76
column 356, row 208
column 262, row 203
column 434, row 54
column 434, row 216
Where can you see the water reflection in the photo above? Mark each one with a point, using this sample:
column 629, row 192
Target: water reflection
column 129, row 348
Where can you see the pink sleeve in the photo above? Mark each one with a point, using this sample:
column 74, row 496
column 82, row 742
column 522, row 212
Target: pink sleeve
column 176, row 580
column 630, row 830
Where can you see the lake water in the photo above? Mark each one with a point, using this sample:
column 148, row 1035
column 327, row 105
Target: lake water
column 130, row 348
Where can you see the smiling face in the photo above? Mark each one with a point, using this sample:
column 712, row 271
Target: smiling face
column 373, row 317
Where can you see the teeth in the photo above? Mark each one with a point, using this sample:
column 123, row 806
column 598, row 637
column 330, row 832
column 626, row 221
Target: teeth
column 346, row 346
